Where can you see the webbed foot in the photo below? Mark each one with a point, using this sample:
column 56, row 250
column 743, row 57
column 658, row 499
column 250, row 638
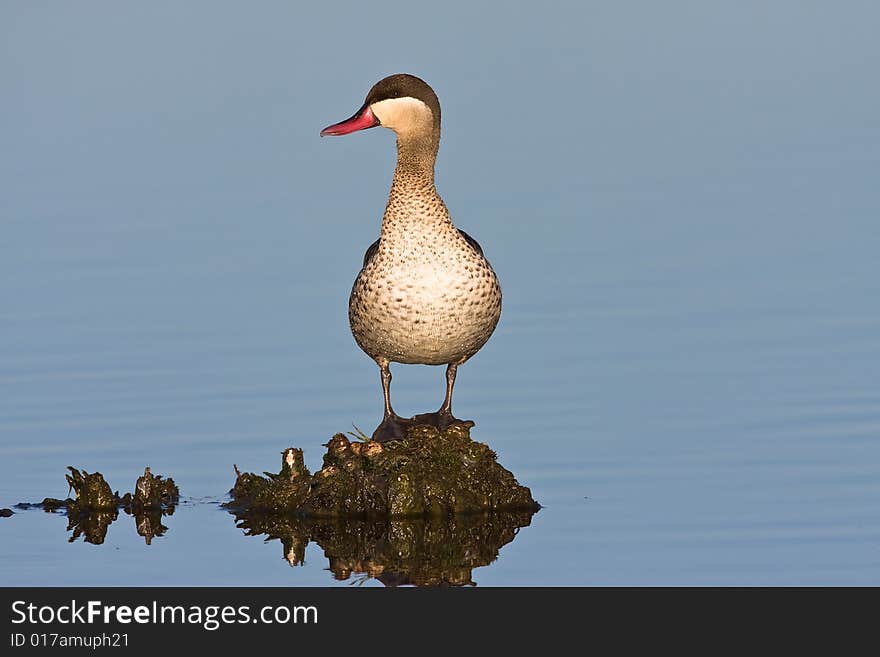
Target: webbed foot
column 393, row 427
column 442, row 420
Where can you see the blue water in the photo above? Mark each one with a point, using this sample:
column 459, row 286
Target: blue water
column 681, row 203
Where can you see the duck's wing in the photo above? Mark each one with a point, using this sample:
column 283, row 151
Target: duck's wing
column 371, row 252
column 475, row 245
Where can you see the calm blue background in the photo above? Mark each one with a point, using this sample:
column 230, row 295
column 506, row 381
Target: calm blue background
column 681, row 200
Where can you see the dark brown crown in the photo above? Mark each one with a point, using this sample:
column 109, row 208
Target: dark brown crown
column 403, row 85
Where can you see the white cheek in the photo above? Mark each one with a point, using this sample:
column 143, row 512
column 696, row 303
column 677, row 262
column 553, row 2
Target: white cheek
column 403, row 115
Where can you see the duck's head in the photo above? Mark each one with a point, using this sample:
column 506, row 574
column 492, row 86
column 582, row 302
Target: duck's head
column 401, row 102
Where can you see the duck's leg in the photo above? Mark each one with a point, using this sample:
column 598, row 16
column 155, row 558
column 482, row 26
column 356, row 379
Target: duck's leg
column 444, row 417
column 393, row 426
column 445, row 411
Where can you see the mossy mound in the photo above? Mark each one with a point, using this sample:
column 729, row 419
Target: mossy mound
column 429, row 473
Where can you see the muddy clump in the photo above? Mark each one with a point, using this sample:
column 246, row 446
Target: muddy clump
column 152, row 493
column 429, row 473
column 96, row 506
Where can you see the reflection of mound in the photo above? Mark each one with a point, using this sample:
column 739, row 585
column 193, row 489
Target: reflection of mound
column 92, row 525
column 431, row 551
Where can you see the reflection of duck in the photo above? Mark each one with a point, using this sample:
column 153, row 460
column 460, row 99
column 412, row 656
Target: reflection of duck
column 426, row 294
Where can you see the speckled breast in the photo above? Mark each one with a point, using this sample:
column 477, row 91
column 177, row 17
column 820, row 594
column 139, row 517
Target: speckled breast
column 424, row 309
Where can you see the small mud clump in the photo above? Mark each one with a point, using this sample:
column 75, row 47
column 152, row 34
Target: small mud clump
column 152, row 492
column 428, row 473
column 96, row 506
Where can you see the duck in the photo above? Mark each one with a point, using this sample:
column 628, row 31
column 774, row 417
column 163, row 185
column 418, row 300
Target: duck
column 425, row 294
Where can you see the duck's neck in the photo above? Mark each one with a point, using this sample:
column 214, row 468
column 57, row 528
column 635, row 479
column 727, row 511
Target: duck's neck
column 413, row 203
column 415, row 161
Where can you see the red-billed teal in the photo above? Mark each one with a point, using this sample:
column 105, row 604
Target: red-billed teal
column 426, row 294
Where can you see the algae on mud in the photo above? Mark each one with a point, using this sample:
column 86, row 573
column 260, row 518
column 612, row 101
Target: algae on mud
column 428, row 473
column 96, row 506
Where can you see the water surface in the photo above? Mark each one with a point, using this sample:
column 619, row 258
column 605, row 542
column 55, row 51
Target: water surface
column 681, row 203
